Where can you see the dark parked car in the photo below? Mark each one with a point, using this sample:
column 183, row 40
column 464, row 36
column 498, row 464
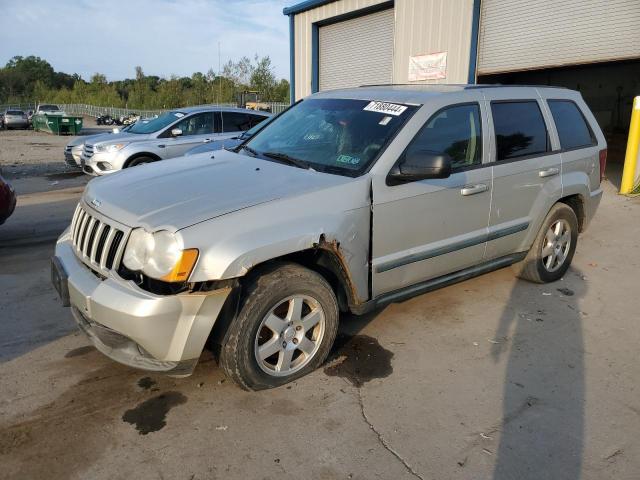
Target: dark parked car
column 7, row 199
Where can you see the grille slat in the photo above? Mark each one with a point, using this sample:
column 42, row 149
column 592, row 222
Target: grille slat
column 96, row 242
column 85, row 236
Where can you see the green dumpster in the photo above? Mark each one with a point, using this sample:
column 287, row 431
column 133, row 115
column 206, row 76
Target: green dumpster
column 57, row 124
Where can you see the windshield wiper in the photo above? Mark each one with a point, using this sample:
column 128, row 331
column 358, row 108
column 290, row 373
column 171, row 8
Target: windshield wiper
column 287, row 159
column 248, row 149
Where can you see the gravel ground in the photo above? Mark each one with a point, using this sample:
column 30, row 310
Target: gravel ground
column 25, row 153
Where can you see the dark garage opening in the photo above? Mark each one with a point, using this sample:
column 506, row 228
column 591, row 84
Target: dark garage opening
column 608, row 88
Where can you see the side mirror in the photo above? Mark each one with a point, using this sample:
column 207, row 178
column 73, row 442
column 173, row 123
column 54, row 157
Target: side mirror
column 420, row 165
column 176, row 132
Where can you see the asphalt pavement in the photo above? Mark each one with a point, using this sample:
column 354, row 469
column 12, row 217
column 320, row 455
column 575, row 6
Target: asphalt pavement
column 492, row 378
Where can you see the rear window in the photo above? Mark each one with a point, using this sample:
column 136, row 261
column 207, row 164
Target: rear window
column 520, row 129
column 15, row 112
column 571, row 125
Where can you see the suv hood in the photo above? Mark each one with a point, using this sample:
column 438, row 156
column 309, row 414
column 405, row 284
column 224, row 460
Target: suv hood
column 91, row 139
column 107, row 138
column 180, row 192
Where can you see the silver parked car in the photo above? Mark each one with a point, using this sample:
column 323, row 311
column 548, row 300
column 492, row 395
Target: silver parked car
column 73, row 150
column 229, row 143
column 350, row 200
column 170, row 135
column 14, row 118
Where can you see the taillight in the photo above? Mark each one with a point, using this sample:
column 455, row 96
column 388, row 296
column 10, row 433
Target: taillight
column 603, row 163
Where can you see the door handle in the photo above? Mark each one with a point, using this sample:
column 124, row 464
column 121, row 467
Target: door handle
column 206, row 140
column 161, row 146
column 473, row 189
column 549, row 172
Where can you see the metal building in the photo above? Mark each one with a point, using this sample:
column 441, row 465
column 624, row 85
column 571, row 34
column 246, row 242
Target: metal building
column 588, row 45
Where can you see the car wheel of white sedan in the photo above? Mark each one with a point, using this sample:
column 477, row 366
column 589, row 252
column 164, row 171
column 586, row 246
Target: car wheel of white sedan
column 285, row 328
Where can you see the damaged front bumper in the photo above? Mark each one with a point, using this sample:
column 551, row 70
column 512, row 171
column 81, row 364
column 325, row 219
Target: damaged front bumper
column 162, row 333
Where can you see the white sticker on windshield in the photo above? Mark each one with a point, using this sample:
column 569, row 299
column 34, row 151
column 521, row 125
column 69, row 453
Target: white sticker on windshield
column 384, row 120
column 179, row 114
column 386, row 108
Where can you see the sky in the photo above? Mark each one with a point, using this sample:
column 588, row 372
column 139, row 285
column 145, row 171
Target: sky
column 164, row 37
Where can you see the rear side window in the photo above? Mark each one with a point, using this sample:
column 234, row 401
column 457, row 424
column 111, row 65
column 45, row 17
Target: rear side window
column 571, row 125
column 235, row 122
column 520, row 129
column 455, row 131
column 255, row 119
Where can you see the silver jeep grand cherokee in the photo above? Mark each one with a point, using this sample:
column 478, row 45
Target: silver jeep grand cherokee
column 349, row 200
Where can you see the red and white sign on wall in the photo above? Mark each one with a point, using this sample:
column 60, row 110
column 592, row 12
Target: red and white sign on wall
column 432, row 66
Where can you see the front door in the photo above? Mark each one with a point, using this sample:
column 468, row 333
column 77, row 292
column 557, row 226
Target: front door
column 428, row 228
column 196, row 129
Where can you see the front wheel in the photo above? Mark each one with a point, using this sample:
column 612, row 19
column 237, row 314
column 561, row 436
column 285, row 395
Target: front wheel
column 285, row 328
column 140, row 161
column 553, row 249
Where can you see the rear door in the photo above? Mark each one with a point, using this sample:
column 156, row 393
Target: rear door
column 526, row 172
column 425, row 229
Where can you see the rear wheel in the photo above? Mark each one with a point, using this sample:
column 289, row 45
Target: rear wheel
column 285, row 328
column 553, row 249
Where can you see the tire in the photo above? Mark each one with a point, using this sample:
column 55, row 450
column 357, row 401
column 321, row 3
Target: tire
column 140, row 161
column 268, row 305
column 550, row 256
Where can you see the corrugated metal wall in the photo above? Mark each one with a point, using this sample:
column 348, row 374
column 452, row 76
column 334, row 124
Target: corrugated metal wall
column 421, row 27
column 302, row 35
column 524, row 35
column 430, row 26
column 368, row 60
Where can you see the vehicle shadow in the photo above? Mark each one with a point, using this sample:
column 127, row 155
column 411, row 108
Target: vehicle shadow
column 542, row 428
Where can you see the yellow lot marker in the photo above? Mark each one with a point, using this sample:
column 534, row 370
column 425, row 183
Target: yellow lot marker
column 631, row 156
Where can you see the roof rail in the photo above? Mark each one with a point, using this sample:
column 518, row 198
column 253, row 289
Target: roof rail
column 466, row 86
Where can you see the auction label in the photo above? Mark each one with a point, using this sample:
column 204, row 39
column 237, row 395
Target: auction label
column 386, row 108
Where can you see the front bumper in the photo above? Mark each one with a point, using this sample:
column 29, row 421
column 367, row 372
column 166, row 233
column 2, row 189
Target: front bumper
column 132, row 326
column 95, row 164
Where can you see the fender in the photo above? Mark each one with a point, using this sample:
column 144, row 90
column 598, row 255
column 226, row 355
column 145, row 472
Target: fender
column 231, row 245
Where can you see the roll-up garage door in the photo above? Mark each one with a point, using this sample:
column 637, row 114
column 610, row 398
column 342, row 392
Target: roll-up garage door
column 524, row 35
column 356, row 52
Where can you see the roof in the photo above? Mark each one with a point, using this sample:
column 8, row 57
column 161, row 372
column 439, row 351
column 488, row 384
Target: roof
column 217, row 108
column 304, row 6
column 411, row 93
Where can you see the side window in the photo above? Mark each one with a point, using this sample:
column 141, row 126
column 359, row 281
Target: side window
column 455, row 131
column 571, row 125
column 520, row 129
column 235, row 122
column 198, row 124
column 256, row 119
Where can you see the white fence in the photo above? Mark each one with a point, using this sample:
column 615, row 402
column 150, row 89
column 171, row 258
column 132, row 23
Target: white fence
column 95, row 111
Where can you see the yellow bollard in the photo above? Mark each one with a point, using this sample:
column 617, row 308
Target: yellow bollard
column 631, row 157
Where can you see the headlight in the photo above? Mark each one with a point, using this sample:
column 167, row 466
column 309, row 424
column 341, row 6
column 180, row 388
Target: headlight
column 110, row 148
column 159, row 256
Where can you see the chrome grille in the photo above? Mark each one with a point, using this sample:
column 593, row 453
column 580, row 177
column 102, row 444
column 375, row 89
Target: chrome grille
column 96, row 241
column 88, row 150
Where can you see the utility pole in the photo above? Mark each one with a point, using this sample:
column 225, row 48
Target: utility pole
column 219, row 75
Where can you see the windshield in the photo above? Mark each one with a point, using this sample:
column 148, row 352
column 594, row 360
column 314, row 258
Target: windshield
column 333, row 135
column 156, row 124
